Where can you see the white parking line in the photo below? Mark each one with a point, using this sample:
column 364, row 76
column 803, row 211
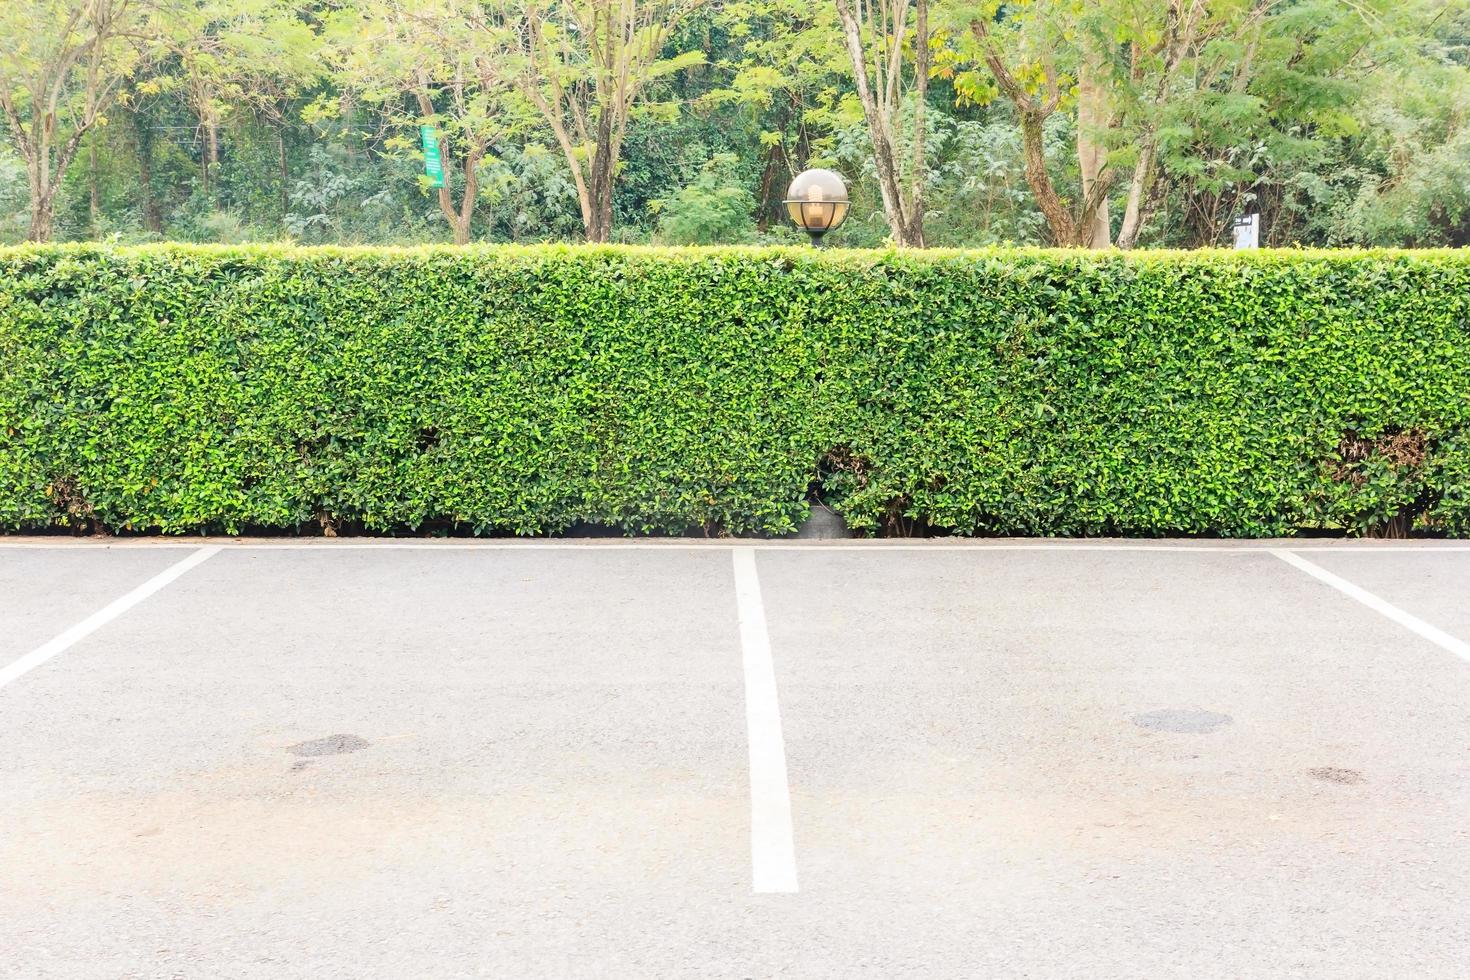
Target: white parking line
column 772, row 852
column 1433, row 634
column 103, row 616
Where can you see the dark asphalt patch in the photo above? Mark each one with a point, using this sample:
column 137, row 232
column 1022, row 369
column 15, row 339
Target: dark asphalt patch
column 1182, row 721
column 1332, row 774
column 331, row 745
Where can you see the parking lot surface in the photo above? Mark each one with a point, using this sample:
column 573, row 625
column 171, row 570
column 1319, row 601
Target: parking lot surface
column 1044, row 759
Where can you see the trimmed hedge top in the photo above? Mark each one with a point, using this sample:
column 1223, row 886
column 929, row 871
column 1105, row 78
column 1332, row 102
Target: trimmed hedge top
column 530, row 389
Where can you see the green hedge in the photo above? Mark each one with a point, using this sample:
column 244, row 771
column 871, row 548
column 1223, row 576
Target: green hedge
column 527, row 390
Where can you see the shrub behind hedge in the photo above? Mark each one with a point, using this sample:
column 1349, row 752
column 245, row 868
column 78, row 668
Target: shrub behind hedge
column 530, row 389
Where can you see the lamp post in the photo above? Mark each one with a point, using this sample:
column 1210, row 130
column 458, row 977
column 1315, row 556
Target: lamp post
column 817, row 202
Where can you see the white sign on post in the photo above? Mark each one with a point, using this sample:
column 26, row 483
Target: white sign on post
column 1248, row 231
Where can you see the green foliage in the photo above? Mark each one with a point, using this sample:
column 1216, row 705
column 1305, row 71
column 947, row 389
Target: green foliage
column 526, row 389
column 318, row 199
column 714, row 208
column 262, row 120
column 530, row 195
column 975, row 193
column 13, row 193
column 1403, row 179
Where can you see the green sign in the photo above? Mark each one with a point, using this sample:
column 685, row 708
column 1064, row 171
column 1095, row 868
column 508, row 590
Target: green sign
column 433, row 166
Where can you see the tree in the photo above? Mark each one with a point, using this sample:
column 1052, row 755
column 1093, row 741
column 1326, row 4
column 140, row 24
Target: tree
column 1166, row 86
column 1402, row 177
column 63, row 66
column 453, row 60
column 1274, row 95
column 785, row 72
column 1080, row 122
column 237, row 55
column 712, row 209
column 1021, row 46
column 585, row 66
column 878, row 71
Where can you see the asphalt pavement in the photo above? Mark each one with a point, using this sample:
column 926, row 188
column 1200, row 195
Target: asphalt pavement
column 1042, row 759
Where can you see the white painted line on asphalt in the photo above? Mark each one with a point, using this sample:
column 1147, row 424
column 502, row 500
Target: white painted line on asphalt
column 103, row 616
column 772, row 852
column 1433, row 634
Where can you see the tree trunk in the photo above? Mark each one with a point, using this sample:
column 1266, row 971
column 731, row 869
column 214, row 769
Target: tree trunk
column 459, row 218
column 211, row 163
column 915, row 206
column 42, row 198
column 1092, row 118
column 1140, row 194
column 570, row 154
column 1032, row 113
column 41, row 217
column 600, row 181
column 148, row 204
column 1088, row 226
column 457, row 225
column 1033, row 147
column 600, row 231
column 598, row 221
column 906, row 225
column 94, row 195
column 282, row 171
column 883, row 159
column 772, row 190
column 471, row 197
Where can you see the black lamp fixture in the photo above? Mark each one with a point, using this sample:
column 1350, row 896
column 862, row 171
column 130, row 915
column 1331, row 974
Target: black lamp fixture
column 817, row 202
